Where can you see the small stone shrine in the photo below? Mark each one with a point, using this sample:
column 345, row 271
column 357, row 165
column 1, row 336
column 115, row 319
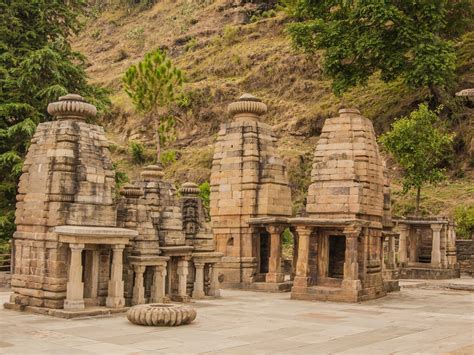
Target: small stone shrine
column 248, row 180
column 427, row 248
column 78, row 251
column 340, row 239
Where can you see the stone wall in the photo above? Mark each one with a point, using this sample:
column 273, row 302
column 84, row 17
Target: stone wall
column 465, row 253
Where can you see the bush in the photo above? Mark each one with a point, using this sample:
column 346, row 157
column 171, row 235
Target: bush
column 229, row 34
column 168, row 157
column 137, row 151
column 205, row 194
column 464, row 218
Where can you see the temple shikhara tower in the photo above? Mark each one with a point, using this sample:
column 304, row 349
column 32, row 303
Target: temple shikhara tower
column 340, row 242
column 79, row 250
column 248, row 180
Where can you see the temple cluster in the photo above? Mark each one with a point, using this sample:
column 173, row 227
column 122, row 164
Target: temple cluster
column 79, row 248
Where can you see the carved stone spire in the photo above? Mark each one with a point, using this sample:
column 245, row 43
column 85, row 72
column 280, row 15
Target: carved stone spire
column 71, row 106
column 247, row 108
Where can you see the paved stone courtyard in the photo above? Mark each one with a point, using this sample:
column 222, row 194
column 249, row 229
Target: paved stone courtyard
column 244, row 322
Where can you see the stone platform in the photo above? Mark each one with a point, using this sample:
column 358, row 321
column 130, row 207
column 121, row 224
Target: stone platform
column 414, row 321
column 260, row 286
column 428, row 273
column 61, row 313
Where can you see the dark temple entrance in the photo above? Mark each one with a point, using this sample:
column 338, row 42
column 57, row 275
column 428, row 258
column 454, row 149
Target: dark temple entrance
column 337, row 252
column 264, row 252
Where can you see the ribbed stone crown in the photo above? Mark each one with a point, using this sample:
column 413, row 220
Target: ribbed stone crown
column 152, row 172
column 189, row 188
column 247, row 105
column 71, row 106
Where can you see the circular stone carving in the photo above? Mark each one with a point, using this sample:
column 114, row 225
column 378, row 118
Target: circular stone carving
column 161, row 314
column 71, row 106
column 247, row 104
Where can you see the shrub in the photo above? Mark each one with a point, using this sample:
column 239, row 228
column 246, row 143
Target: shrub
column 137, row 151
column 464, row 218
column 168, row 157
column 205, row 194
column 229, row 34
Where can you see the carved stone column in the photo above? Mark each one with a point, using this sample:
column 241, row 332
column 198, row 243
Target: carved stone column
column 158, row 288
column 302, row 267
column 138, row 287
column 214, row 277
column 391, row 252
column 451, row 249
column 436, row 245
column 274, row 265
column 198, row 290
column 402, row 244
column 444, row 246
column 75, row 287
column 351, row 266
column 115, row 297
column 182, row 279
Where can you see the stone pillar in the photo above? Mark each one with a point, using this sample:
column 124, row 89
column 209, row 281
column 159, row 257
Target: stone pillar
column 158, row 288
column 274, row 265
column 138, row 287
column 402, row 244
column 198, row 289
column 351, row 266
column 214, row 278
column 302, row 267
column 436, row 245
column 75, row 287
column 451, row 249
column 115, row 297
column 444, row 246
column 182, row 279
column 391, row 252
column 95, row 273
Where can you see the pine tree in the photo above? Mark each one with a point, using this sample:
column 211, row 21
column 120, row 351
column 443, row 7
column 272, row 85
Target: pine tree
column 153, row 84
column 37, row 65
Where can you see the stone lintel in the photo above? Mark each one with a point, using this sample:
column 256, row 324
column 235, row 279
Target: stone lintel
column 179, row 250
column 148, row 260
column 95, row 231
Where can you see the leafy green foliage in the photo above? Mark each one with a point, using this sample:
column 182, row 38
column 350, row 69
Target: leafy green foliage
column 153, row 84
column 137, row 151
column 400, row 39
column 37, row 65
column 168, row 157
column 464, row 218
column 205, row 194
column 419, row 144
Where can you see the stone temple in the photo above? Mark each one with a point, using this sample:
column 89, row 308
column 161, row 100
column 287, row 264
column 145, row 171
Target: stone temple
column 79, row 250
column 248, row 180
column 339, row 240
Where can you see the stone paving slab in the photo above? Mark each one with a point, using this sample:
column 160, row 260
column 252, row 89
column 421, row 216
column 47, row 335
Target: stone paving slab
column 434, row 321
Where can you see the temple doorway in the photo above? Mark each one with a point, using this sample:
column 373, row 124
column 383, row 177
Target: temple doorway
column 337, row 251
column 264, row 252
column 90, row 276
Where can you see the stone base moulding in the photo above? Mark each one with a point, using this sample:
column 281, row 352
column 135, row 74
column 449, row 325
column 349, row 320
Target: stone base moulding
column 161, row 314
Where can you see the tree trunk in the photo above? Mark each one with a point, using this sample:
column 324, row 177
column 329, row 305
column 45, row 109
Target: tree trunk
column 436, row 96
column 417, row 209
column 158, row 146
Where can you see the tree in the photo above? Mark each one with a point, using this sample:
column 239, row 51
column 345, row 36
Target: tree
column 37, row 65
column 405, row 39
column 419, row 144
column 153, row 84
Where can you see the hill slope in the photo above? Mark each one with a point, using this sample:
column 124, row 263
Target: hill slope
column 225, row 49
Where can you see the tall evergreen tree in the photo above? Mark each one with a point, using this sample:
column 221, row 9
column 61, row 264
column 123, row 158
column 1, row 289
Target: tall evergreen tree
column 37, row 65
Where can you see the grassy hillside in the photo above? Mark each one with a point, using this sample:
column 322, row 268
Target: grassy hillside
column 225, row 50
